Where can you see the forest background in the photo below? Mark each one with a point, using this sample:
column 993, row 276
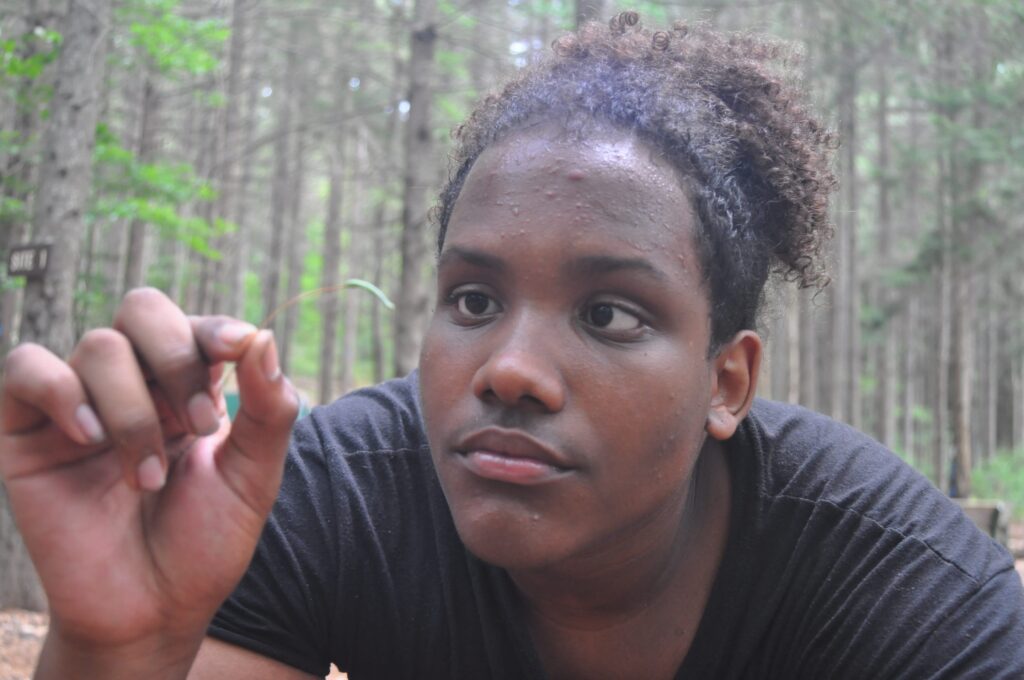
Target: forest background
column 239, row 153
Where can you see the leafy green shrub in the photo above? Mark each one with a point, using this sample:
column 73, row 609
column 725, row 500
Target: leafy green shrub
column 1002, row 477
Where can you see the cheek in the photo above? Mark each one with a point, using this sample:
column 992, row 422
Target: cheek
column 664, row 415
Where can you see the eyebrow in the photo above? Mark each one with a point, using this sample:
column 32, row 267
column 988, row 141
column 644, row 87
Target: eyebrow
column 586, row 265
column 469, row 256
column 608, row 264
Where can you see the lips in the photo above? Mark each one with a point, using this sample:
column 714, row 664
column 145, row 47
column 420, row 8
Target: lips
column 511, row 456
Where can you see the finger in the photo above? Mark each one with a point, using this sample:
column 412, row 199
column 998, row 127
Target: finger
column 164, row 338
column 39, row 387
column 253, row 457
column 221, row 338
column 106, row 363
column 176, row 356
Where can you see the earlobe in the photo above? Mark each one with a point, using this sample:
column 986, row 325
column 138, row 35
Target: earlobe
column 734, row 383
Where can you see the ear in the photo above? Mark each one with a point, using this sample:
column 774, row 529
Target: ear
column 733, row 384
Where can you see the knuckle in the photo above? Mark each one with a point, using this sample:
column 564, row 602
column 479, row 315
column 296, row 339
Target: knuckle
column 289, row 410
column 25, row 367
column 134, row 430
column 100, row 342
column 136, row 299
column 16, row 361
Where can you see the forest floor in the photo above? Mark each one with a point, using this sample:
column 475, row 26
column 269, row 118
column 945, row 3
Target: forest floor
column 22, row 633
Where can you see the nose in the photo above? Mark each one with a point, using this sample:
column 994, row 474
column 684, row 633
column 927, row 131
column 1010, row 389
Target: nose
column 521, row 373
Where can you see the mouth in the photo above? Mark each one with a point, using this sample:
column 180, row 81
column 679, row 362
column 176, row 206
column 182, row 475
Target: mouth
column 511, row 456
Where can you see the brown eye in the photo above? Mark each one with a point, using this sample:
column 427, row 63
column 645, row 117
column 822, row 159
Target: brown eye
column 601, row 315
column 610, row 317
column 476, row 304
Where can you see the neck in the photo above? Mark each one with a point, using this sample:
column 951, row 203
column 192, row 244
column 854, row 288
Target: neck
column 619, row 581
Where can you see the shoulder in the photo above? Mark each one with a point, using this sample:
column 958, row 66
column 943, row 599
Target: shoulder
column 809, row 459
column 865, row 563
column 379, row 418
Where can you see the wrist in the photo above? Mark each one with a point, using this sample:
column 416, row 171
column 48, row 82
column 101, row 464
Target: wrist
column 164, row 657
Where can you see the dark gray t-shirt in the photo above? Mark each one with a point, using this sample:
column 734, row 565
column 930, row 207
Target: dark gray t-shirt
column 842, row 562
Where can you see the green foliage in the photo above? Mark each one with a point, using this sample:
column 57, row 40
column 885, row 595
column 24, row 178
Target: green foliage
column 1002, row 477
column 155, row 193
column 173, row 44
column 451, row 110
column 12, row 210
column 28, row 55
column 305, row 356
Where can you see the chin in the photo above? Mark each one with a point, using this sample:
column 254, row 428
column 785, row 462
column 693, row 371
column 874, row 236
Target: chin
column 507, row 539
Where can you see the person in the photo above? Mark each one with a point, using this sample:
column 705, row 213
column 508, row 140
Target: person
column 577, row 482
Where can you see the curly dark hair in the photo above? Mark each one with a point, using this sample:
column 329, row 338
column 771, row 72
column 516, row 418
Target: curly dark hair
column 756, row 162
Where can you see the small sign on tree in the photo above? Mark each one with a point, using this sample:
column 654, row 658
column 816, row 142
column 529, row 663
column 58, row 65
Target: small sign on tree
column 28, row 260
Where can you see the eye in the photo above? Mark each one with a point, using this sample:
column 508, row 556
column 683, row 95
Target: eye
column 475, row 304
column 609, row 317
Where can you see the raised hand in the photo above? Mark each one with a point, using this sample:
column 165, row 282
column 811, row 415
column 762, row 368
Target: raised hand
column 140, row 503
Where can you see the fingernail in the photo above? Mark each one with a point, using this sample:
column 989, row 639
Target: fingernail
column 151, row 474
column 203, row 414
column 271, row 368
column 232, row 334
column 89, row 423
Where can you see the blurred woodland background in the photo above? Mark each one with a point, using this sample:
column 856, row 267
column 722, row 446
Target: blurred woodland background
column 237, row 153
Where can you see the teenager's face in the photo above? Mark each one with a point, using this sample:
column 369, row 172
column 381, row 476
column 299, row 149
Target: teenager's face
column 565, row 379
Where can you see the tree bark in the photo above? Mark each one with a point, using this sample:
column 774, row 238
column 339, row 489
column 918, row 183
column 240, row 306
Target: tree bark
column 295, row 248
column 413, row 297
column 19, row 170
column 330, row 276
column 885, row 417
column 228, row 204
column 351, row 303
column 808, row 350
column 910, row 378
column 279, row 186
column 135, row 261
column 940, row 400
column 851, row 203
column 65, row 175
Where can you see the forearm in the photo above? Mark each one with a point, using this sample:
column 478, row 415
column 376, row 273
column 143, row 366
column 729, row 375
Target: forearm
column 163, row 658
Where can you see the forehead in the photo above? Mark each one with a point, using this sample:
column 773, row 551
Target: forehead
column 605, row 184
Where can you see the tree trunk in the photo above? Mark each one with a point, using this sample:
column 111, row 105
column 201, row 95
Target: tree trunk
column 18, row 170
column 413, row 297
column 197, row 297
column 885, row 420
column 793, row 324
column 940, row 400
column 351, row 303
column 808, row 350
column 65, row 175
column 962, row 358
column 228, row 203
column 910, row 377
column 279, row 186
column 851, row 204
column 329, row 278
column 990, row 407
column 1017, row 386
column 296, row 244
column 135, row 262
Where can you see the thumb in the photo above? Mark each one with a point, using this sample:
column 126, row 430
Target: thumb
column 252, row 459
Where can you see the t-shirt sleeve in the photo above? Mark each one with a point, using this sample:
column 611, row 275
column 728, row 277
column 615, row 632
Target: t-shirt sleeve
column 281, row 607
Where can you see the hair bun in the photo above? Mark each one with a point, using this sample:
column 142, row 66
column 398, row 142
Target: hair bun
column 623, row 20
